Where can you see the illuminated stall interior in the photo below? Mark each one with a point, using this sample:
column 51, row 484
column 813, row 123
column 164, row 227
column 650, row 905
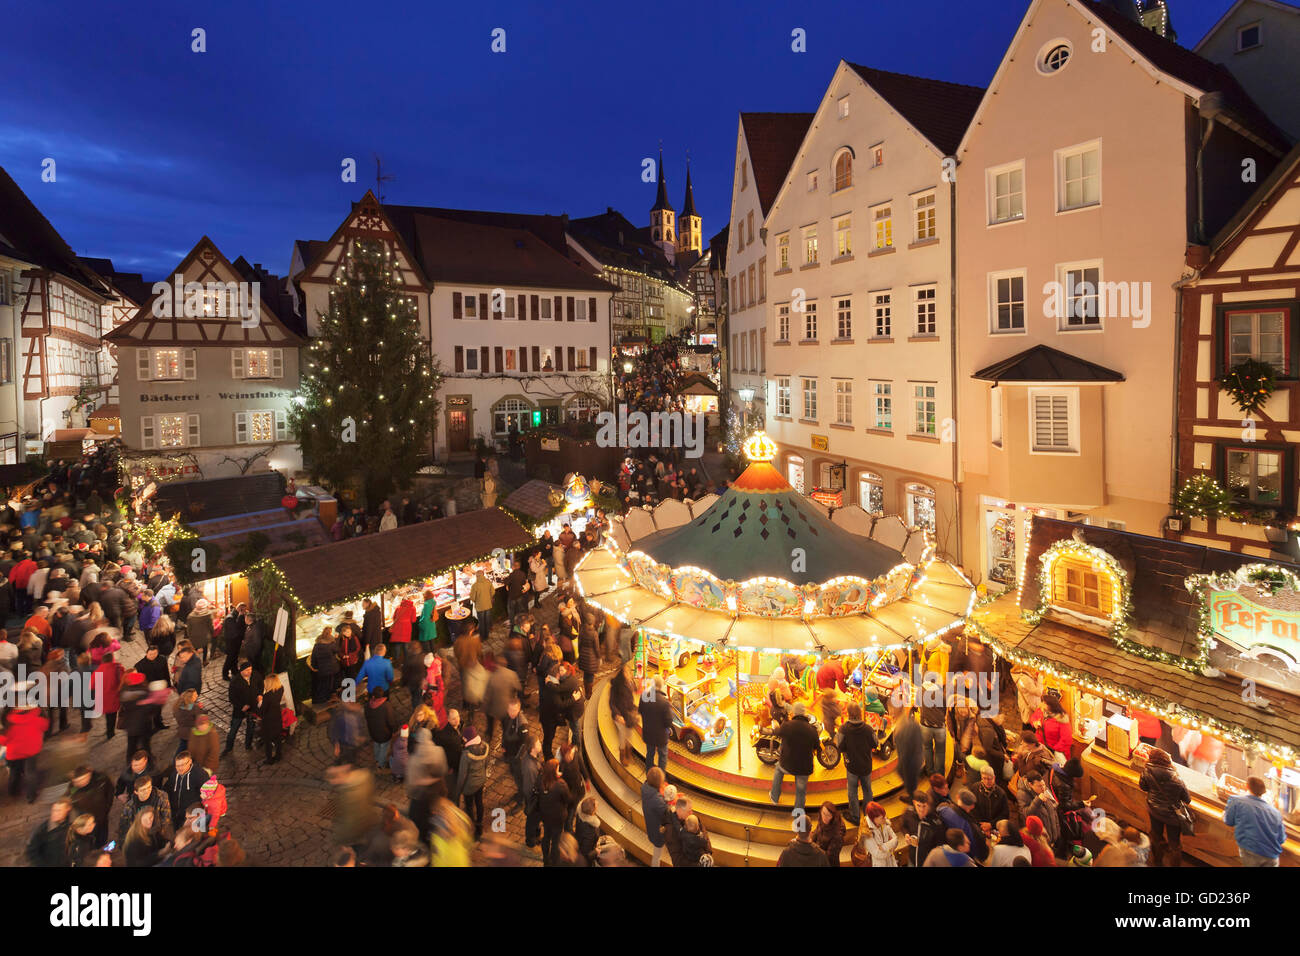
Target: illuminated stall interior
column 1131, row 628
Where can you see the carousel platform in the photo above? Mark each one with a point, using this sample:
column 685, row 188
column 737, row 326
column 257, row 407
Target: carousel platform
column 746, row 829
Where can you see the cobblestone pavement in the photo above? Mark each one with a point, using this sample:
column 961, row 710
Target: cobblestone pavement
column 281, row 814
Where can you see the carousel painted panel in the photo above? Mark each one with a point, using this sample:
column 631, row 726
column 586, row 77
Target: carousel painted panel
column 842, row 596
column 700, row 589
column 770, row 597
column 650, row 574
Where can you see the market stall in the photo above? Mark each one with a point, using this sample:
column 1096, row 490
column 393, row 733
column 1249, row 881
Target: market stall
column 1155, row 643
column 321, row 584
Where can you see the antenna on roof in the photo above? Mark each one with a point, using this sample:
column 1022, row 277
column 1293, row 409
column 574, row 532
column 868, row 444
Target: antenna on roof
column 380, row 178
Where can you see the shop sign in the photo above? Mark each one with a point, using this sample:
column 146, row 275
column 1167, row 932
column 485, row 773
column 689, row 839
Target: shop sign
column 550, row 444
column 1255, row 610
column 821, row 443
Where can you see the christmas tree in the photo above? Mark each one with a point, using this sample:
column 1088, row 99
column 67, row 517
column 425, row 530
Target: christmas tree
column 368, row 399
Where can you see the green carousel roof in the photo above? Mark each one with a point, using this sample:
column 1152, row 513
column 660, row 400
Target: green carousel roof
column 753, row 530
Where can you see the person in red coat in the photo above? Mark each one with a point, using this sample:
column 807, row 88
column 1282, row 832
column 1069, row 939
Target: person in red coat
column 404, row 619
column 106, row 685
column 22, row 737
column 831, row 674
column 1055, row 733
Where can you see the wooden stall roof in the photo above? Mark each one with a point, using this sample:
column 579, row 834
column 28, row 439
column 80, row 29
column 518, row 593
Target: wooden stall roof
column 1165, row 613
column 220, row 497
column 1091, row 654
column 333, row 573
column 532, row 498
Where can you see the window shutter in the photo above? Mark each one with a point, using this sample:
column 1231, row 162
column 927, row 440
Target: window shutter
column 483, row 360
column 558, row 314
column 537, row 359
column 146, row 430
column 482, row 305
column 281, row 426
column 523, row 358
column 241, row 428
column 277, row 363
column 570, row 315
column 460, row 358
column 572, row 364
column 591, row 362
column 142, row 364
column 498, row 313
column 191, row 364
column 497, row 358
column 559, row 356
column 522, row 314
column 193, row 431
column 455, row 305
column 236, row 363
column 533, row 305
column 591, row 309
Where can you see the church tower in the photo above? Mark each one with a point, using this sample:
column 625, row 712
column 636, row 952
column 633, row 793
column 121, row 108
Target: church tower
column 663, row 226
column 690, row 234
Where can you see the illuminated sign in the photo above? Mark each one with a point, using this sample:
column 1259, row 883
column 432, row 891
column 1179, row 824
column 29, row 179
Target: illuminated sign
column 821, row 443
column 1255, row 610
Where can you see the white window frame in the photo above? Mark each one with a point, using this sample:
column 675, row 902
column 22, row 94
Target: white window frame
column 1258, row 25
column 783, row 396
column 1040, row 60
column 843, row 227
column 878, row 155
column 843, row 401
column 1061, row 157
column 991, row 187
column 837, row 184
column 812, row 181
column 882, row 405
column 867, row 480
column 918, row 490
column 810, row 321
column 994, row 302
column 469, row 306
column 888, row 313
column 783, row 251
column 544, row 308
column 239, row 365
column 930, row 210
column 151, row 429
column 932, row 410
column 933, row 311
column 808, row 398
column 1072, row 412
column 882, row 226
column 783, row 322
column 811, row 251
column 842, row 107
column 843, row 317
column 1063, row 305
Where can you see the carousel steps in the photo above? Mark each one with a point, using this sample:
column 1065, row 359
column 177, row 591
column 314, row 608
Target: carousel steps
column 618, row 806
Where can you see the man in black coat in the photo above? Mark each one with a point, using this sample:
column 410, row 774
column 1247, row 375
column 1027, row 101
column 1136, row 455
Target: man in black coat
column 856, row 741
column 243, row 703
column 190, row 672
column 656, row 723
column 154, row 668
column 799, row 742
column 182, row 784
column 91, row 792
column 448, row 738
column 232, row 631
column 372, row 624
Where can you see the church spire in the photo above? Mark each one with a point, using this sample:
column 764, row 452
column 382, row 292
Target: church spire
column 661, row 200
column 688, row 206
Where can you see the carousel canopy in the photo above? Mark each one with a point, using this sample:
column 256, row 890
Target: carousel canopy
column 753, row 529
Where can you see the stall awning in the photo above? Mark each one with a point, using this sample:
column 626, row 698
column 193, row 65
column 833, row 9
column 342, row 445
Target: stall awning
column 1087, row 659
column 334, row 573
column 532, row 498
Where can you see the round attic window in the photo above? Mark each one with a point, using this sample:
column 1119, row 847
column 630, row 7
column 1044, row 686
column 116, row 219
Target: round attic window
column 1054, row 58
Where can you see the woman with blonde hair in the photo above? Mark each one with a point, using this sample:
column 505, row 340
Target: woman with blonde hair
column 145, row 840
column 272, row 724
column 81, row 839
column 163, row 633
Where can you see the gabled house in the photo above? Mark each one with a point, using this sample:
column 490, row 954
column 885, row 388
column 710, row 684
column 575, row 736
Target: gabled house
column 1100, row 151
column 766, row 144
column 50, row 323
column 209, row 371
column 860, row 289
column 521, row 329
column 1259, row 41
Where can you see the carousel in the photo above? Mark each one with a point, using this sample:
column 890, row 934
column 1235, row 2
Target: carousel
column 760, row 598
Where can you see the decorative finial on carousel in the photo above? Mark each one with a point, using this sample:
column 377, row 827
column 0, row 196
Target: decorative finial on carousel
column 758, row 447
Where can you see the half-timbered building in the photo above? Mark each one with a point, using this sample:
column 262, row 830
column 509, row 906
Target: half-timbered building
column 1243, row 306
column 209, row 370
column 521, row 330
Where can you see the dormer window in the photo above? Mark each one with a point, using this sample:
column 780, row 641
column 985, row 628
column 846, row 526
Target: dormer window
column 1077, row 585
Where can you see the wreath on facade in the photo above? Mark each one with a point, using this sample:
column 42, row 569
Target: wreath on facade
column 1203, row 497
column 1249, row 384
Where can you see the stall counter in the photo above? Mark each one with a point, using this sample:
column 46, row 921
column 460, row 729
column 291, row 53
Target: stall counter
column 1114, row 781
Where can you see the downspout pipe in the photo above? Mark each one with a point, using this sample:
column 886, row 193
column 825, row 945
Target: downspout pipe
column 1211, row 107
column 952, row 317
